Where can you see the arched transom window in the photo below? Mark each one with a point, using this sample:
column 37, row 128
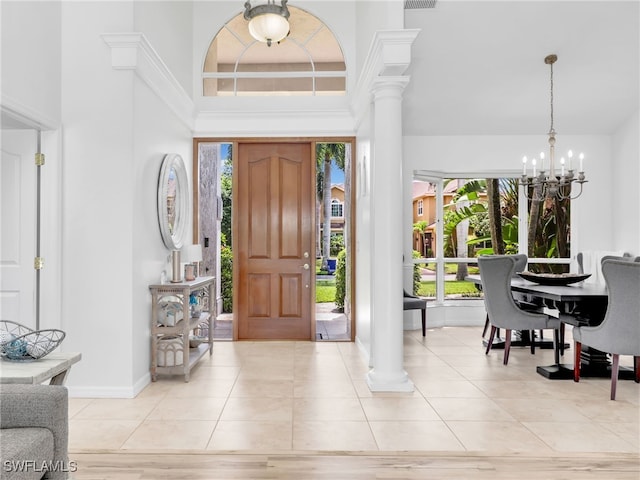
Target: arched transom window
column 309, row 61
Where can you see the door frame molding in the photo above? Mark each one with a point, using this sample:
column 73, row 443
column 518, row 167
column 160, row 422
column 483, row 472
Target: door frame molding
column 352, row 199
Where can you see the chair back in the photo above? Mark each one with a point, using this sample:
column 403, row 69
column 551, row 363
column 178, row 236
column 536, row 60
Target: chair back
column 496, row 273
column 619, row 332
column 591, row 262
column 626, row 257
column 521, row 263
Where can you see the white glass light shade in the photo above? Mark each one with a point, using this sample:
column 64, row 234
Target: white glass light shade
column 269, row 27
column 192, row 253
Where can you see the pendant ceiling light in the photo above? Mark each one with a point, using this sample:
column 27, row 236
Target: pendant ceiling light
column 268, row 22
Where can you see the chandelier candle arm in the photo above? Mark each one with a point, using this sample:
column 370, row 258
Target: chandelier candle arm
column 552, row 185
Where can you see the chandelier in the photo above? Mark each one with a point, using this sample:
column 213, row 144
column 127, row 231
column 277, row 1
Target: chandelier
column 268, row 23
column 553, row 184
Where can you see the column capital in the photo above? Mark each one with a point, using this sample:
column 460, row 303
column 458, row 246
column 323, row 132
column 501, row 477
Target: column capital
column 383, row 87
column 389, row 56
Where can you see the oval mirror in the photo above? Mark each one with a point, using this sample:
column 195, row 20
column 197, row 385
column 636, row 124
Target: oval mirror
column 173, row 201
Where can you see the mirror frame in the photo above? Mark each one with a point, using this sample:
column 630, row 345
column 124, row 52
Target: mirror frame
column 173, row 238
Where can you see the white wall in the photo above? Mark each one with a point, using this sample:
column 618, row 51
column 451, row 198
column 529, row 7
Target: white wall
column 98, row 198
column 116, row 132
column 373, row 16
column 363, row 251
column 625, row 191
column 157, row 132
column 168, row 25
column 31, row 72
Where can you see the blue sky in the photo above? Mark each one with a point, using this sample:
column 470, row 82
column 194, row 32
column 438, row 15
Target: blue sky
column 337, row 175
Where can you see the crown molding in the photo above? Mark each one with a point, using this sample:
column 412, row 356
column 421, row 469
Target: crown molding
column 389, row 57
column 23, row 114
column 132, row 51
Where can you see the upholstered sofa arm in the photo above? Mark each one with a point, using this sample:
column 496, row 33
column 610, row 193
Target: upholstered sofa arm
column 44, row 406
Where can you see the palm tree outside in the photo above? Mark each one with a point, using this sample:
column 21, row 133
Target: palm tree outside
column 326, row 153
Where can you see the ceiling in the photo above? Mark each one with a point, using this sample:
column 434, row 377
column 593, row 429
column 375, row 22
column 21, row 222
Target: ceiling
column 478, row 67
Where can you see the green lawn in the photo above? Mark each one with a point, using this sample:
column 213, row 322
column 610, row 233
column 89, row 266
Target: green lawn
column 326, row 289
column 466, row 289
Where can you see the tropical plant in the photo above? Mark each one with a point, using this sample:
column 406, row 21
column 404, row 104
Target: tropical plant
column 226, row 185
column 226, row 272
column 325, row 154
column 417, row 277
column 465, row 204
column 341, row 279
column 495, row 215
column 337, row 244
column 553, row 239
column 420, row 228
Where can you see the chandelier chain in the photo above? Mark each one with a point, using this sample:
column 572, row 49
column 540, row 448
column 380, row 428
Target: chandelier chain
column 551, row 96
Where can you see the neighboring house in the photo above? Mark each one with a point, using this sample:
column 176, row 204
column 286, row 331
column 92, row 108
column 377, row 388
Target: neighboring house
column 425, row 210
column 337, row 209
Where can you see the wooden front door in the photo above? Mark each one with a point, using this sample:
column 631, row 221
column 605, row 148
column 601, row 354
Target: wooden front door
column 274, row 241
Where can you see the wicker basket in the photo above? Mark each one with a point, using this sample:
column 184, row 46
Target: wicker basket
column 22, row 344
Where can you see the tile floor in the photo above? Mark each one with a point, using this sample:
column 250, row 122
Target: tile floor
column 331, row 325
column 312, row 396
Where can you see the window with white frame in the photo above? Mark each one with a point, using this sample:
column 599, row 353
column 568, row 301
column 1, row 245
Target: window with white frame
column 336, row 208
column 309, row 61
column 461, row 232
column 420, row 208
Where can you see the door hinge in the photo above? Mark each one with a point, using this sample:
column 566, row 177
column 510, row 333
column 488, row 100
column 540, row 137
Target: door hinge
column 38, row 263
column 39, row 159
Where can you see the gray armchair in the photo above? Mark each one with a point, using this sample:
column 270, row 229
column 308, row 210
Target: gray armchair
column 619, row 332
column 496, row 272
column 521, row 265
column 591, row 262
column 34, row 432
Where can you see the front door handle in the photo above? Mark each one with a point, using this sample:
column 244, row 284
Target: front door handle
column 305, row 266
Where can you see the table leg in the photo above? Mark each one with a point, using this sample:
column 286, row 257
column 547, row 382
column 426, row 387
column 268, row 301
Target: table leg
column 59, row 379
column 593, row 363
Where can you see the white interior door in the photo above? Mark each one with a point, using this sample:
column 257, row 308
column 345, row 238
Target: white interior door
column 18, row 226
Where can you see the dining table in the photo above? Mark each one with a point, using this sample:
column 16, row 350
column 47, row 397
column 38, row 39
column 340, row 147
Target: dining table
column 583, row 304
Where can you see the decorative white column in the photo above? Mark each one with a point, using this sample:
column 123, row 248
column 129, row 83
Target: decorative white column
column 387, row 373
column 377, row 107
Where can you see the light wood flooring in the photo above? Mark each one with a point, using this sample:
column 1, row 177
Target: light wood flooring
column 353, row 466
column 271, row 410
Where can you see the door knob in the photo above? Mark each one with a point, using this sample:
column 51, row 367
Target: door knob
column 305, row 266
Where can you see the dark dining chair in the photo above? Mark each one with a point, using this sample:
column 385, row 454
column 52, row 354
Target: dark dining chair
column 619, row 332
column 496, row 272
column 411, row 302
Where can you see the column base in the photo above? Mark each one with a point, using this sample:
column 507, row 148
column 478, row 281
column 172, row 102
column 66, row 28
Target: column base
column 389, row 382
